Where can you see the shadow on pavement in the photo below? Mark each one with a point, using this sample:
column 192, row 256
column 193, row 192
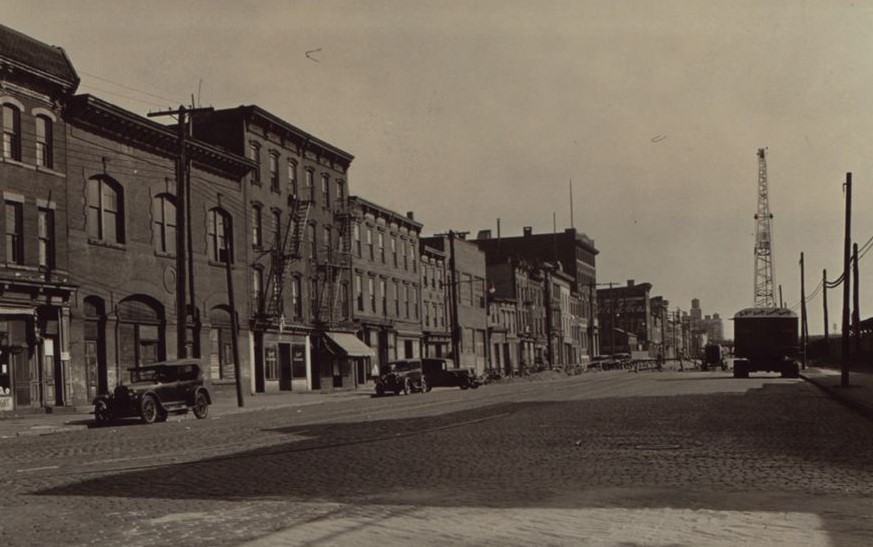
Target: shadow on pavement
column 767, row 449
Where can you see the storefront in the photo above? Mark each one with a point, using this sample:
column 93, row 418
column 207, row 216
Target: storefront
column 351, row 357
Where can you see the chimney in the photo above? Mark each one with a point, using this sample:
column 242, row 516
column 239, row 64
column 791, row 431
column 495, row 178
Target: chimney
column 527, row 231
column 410, row 215
column 484, row 234
column 630, row 282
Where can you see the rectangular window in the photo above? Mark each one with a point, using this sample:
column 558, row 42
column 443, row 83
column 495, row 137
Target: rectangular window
column 394, row 249
column 14, row 233
column 396, row 299
column 310, row 237
column 310, row 187
column 370, row 243
column 255, row 155
column 359, row 292
column 380, row 237
column 412, row 256
column 47, row 238
column 292, row 177
column 325, row 191
column 257, row 230
column 257, row 290
column 406, row 300
column 384, row 296
column 44, row 141
column 271, row 370
column 414, row 303
column 339, row 190
column 357, row 234
column 371, row 288
column 296, row 302
column 277, row 229
column 274, row 172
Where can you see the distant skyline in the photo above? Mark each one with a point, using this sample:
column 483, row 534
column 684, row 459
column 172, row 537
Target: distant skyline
column 469, row 112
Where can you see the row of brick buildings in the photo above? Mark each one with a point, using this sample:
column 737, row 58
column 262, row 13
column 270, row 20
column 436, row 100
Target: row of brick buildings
column 319, row 285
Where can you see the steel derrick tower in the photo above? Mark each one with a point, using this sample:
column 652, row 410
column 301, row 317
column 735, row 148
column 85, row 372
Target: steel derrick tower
column 763, row 240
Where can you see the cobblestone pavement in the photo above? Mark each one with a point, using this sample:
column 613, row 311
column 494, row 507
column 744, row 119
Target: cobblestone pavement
column 602, row 459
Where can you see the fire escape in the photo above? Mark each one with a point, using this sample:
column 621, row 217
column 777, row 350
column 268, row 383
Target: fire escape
column 331, row 303
column 285, row 249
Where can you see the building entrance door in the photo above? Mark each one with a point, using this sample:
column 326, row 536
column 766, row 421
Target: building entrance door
column 285, row 367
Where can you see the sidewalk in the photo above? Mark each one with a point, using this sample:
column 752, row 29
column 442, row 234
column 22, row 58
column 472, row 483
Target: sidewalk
column 223, row 403
column 858, row 395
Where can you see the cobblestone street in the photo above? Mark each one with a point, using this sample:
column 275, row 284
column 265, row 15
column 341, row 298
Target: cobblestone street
column 613, row 458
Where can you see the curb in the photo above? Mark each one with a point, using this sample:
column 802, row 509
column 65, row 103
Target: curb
column 863, row 408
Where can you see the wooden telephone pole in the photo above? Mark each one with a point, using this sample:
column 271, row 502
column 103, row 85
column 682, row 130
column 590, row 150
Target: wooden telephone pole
column 182, row 225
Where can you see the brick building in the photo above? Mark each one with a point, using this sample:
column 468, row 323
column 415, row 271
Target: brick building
column 435, row 325
column 387, row 285
column 467, row 299
column 576, row 253
column 121, row 183
column 36, row 292
column 627, row 308
column 298, row 243
column 503, row 346
column 518, row 281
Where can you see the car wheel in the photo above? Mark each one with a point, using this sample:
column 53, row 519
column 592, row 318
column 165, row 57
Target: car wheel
column 102, row 413
column 201, row 406
column 407, row 386
column 465, row 385
column 475, row 385
column 423, row 387
column 148, row 410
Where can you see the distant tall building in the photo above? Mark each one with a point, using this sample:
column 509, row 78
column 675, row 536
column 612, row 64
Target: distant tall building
column 714, row 328
column 696, row 314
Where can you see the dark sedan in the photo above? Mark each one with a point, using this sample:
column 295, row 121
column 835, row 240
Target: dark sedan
column 155, row 391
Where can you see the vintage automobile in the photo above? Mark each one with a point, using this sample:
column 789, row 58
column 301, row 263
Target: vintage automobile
column 401, row 376
column 439, row 372
column 155, row 391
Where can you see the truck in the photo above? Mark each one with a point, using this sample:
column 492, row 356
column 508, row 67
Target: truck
column 713, row 356
column 766, row 339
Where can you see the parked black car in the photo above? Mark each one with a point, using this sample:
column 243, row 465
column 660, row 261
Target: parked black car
column 401, row 376
column 155, row 391
column 442, row 372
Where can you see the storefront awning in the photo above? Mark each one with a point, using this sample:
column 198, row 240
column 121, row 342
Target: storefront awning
column 350, row 344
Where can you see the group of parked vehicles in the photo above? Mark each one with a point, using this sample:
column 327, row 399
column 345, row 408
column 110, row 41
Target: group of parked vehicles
column 421, row 375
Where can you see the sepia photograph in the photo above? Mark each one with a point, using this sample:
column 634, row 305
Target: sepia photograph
column 436, row 272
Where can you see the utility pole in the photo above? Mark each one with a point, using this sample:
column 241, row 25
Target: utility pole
column 824, row 297
column 781, row 303
column 234, row 317
column 182, row 224
column 453, row 288
column 856, row 306
column 804, row 333
column 847, row 274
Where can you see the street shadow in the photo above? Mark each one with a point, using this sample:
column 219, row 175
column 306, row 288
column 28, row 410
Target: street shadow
column 752, row 445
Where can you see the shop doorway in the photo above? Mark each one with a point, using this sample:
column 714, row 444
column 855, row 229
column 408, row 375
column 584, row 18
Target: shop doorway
column 284, row 367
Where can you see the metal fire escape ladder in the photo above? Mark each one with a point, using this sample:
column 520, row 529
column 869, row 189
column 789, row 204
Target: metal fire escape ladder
column 764, row 296
column 336, row 260
column 282, row 254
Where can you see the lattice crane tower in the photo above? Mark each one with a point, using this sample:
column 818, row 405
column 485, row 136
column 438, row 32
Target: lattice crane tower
column 763, row 242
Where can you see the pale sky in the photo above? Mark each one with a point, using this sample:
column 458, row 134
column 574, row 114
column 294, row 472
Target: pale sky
column 466, row 112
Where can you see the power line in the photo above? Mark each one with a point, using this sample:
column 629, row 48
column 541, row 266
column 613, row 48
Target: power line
column 130, row 88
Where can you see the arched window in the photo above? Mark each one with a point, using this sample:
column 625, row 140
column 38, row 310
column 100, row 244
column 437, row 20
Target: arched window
column 164, row 213
column 220, row 236
column 105, row 210
column 44, row 141
column 11, row 132
column 141, row 330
